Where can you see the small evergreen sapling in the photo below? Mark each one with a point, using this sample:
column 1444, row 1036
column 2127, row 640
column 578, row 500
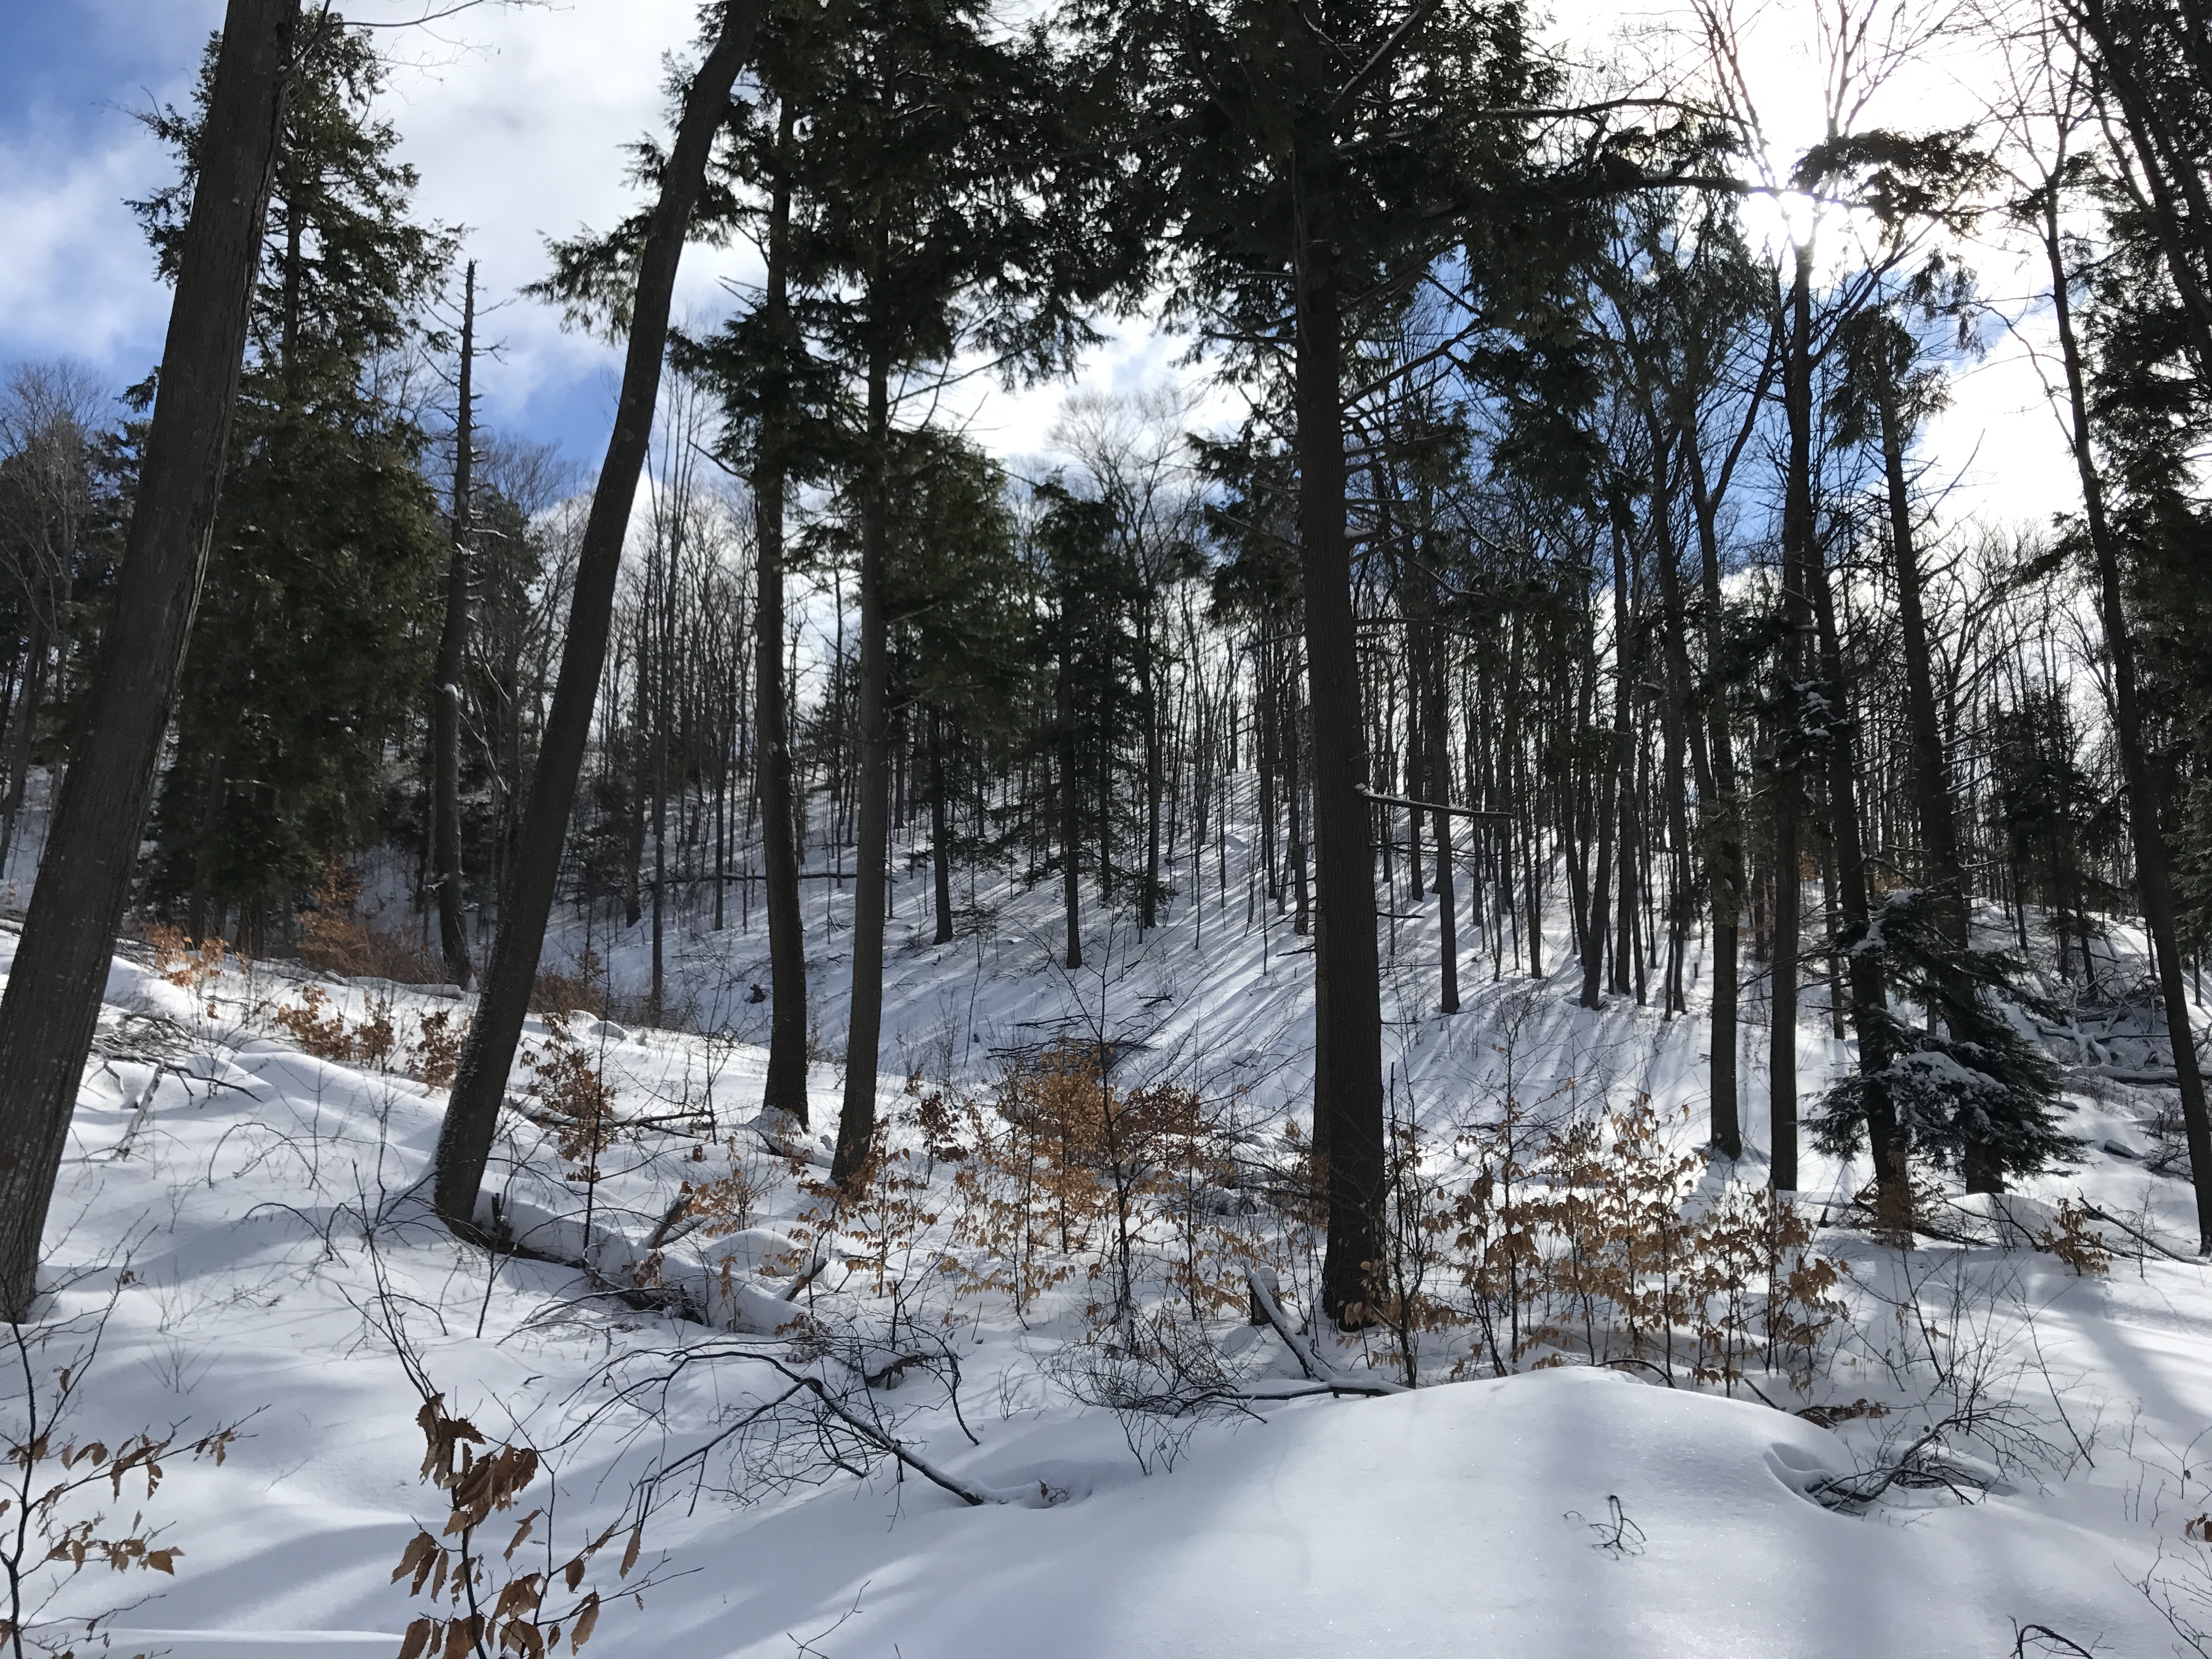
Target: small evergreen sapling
column 1966, row 1084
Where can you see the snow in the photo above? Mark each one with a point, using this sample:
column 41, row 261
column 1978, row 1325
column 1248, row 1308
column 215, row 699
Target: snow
column 264, row 1206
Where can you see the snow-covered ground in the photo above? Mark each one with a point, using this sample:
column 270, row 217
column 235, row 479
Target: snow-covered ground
column 242, row 1223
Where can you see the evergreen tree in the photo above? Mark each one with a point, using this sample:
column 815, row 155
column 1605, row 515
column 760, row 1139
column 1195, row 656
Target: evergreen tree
column 1084, row 643
column 1966, row 1084
column 311, row 645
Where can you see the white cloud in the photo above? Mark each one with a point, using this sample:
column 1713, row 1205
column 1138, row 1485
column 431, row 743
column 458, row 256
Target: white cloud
column 515, row 117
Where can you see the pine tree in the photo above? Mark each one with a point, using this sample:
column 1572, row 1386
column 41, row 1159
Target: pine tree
column 1966, row 1085
column 311, row 645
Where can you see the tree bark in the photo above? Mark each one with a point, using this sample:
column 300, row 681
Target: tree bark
column 1436, row 723
column 1869, row 996
column 480, row 1085
column 452, row 667
column 1724, row 826
column 1347, row 994
column 1071, row 797
column 941, row 831
column 856, row 1124
column 2154, row 873
column 1797, row 554
column 786, row 1088
column 52, row 999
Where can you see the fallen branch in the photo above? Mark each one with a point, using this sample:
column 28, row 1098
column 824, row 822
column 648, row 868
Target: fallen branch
column 1266, row 1291
column 2148, row 1243
column 972, row 1493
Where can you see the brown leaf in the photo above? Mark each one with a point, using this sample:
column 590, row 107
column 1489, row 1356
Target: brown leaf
column 522, row 1532
column 636, row 1542
column 418, row 1637
column 521, row 1596
column 164, row 1560
column 414, row 1556
column 587, row 1620
column 574, row 1573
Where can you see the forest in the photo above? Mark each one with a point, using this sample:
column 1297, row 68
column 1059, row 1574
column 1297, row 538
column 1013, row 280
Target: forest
column 1507, row 818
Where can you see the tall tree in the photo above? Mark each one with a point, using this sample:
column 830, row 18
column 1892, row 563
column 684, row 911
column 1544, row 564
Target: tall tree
column 53, row 998
column 527, row 899
column 1304, row 162
column 451, row 666
column 934, row 210
column 312, row 647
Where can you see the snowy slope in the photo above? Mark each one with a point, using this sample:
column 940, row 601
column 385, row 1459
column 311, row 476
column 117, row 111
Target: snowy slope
column 250, row 1211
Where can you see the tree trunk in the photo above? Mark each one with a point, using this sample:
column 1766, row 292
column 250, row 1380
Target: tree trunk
column 785, row 1089
column 53, row 998
column 856, row 1124
column 1347, row 993
column 941, row 831
column 1071, row 795
column 2153, row 872
column 453, row 668
column 22, row 741
column 472, row 1116
column 1797, row 554
column 1870, row 997
column 1724, row 826
column 1437, row 728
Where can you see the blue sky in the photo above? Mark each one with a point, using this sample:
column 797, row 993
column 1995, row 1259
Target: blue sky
column 514, row 115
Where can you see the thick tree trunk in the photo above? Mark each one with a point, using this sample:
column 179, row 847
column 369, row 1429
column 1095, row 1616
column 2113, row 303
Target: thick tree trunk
column 1797, row 555
column 473, row 1116
column 53, row 998
column 452, row 667
column 785, row 1089
column 1347, row 992
column 1723, row 827
column 856, row 1124
column 2154, row 873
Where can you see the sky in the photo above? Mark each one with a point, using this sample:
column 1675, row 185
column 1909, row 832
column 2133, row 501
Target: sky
column 514, row 117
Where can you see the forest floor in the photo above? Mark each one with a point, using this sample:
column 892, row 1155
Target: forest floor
column 239, row 1240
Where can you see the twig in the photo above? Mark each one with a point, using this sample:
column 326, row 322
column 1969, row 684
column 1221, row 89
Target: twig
column 2044, row 1633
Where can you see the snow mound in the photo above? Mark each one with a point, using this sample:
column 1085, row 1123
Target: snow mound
column 1474, row 1518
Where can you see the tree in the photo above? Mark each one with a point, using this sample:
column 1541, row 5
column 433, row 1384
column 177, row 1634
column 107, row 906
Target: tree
column 53, row 998
column 526, row 898
column 51, row 510
column 933, row 214
column 1300, row 163
column 312, row 639
column 1084, row 643
column 960, row 627
column 2130, row 419
column 451, row 667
